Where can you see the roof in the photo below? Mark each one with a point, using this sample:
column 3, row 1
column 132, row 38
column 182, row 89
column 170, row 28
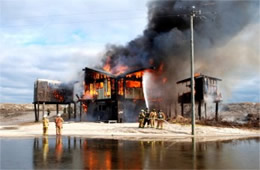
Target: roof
column 100, row 71
column 49, row 81
column 116, row 76
column 198, row 77
column 134, row 71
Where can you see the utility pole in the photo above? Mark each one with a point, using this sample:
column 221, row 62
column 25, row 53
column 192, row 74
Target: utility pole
column 193, row 14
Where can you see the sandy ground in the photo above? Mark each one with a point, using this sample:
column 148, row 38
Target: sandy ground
column 127, row 131
column 20, row 123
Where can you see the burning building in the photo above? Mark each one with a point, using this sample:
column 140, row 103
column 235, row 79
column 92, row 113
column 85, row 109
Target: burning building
column 206, row 91
column 109, row 97
column 117, row 94
column 51, row 92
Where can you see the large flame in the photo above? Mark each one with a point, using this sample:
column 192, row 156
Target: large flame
column 101, row 84
column 107, row 66
column 116, row 70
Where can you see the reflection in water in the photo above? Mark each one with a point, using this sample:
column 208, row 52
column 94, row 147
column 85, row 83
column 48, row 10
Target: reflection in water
column 80, row 153
column 58, row 148
column 194, row 153
column 98, row 154
column 45, row 148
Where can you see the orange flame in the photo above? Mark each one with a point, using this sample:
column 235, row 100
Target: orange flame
column 133, row 84
column 107, row 66
column 120, row 87
column 138, row 74
column 85, row 107
column 58, row 96
column 120, row 69
column 196, row 74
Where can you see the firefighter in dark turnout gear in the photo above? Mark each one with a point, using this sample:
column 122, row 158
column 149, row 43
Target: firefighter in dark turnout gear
column 141, row 118
column 147, row 117
column 160, row 119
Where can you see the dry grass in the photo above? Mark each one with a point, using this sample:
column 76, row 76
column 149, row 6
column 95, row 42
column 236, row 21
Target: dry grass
column 251, row 124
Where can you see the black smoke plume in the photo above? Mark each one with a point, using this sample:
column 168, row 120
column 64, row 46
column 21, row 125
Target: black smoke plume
column 166, row 40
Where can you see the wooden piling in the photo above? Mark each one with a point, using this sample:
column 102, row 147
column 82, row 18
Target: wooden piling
column 205, row 106
column 216, row 116
column 43, row 109
column 80, row 110
column 199, row 109
column 75, row 110
column 57, row 109
column 69, row 110
column 35, row 112
column 38, row 111
column 182, row 109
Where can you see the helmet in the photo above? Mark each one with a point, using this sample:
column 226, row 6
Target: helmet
column 59, row 115
column 44, row 116
column 142, row 110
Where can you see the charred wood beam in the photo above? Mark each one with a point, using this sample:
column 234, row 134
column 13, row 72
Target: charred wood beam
column 133, row 78
column 182, row 109
column 216, row 116
column 35, row 113
column 43, row 109
column 205, row 105
column 199, row 110
column 38, row 111
column 80, row 110
column 75, row 110
column 57, row 109
column 69, row 110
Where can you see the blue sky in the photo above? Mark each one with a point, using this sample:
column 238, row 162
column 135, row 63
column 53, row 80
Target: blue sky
column 56, row 39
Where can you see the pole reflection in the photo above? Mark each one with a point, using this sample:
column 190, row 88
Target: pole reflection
column 194, row 153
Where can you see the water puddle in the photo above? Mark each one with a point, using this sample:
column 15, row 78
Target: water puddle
column 84, row 153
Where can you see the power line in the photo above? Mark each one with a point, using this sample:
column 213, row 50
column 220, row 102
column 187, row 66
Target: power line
column 78, row 14
column 100, row 20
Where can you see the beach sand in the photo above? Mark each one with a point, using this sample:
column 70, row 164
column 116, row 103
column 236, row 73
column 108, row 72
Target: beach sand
column 129, row 131
column 20, row 123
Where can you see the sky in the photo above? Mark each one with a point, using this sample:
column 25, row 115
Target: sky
column 57, row 39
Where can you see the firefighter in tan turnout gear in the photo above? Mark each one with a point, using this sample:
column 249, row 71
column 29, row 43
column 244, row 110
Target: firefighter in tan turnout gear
column 45, row 123
column 141, row 118
column 152, row 118
column 160, row 119
column 58, row 122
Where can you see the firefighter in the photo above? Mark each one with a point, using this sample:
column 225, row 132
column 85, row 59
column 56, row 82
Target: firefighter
column 152, row 118
column 58, row 122
column 146, row 118
column 45, row 123
column 141, row 118
column 160, row 119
